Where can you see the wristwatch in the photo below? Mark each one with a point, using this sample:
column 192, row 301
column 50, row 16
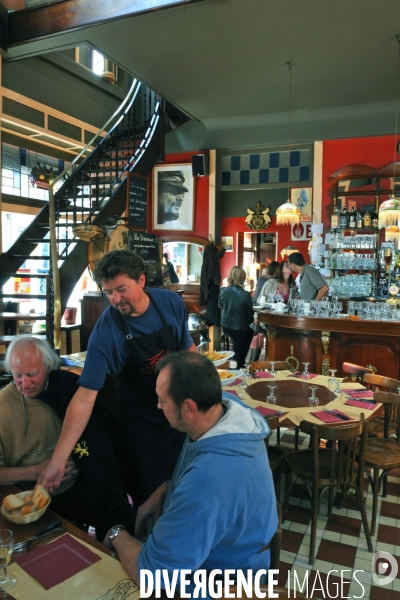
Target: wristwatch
column 114, row 532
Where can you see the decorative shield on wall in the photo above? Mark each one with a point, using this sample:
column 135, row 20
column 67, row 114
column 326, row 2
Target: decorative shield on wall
column 259, row 218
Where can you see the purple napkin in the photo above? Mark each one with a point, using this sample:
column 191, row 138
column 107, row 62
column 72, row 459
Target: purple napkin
column 328, row 418
column 359, row 393
column 263, row 375
column 268, row 412
column 355, row 402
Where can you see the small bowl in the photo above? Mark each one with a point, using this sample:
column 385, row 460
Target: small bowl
column 24, row 519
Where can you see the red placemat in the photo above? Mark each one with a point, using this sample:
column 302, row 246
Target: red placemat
column 359, row 393
column 329, row 418
column 236, row 382
column 268, row 412
column 263, row 375
column 55, row 562
column 299, row 375
column 367, row 405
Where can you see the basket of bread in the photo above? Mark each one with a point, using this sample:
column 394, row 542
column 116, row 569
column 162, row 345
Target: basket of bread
column 26, row 507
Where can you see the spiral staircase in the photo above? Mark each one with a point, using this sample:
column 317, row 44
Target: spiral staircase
column 89, row 193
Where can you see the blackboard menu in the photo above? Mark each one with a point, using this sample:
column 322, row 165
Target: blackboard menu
column 137, row 201
column 147, row 246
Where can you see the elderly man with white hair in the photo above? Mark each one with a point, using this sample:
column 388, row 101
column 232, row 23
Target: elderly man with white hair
column 32, row 408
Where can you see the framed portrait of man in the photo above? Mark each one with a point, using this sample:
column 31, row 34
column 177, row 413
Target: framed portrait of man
column 173, row 198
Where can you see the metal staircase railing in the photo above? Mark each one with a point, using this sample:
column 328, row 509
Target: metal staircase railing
column 80, row 195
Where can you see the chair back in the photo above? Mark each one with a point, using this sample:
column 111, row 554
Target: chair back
column 391, row 402
column 343, row 463
column 377, row 382
column 356, row 372
column 273, row 423
column 276, row 542
column 265, row 365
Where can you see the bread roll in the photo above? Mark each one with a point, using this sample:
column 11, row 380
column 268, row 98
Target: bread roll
column 27, row 509
column 12, row 502
column 40, row 496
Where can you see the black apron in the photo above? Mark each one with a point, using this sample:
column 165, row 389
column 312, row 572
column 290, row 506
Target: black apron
column 151, row 446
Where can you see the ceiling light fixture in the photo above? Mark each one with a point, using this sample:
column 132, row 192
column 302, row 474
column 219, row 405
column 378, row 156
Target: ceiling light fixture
column 389, row 210
column 288, row 251
column 288, row 213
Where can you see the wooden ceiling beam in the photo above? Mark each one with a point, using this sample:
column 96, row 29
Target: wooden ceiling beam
column 49, row 20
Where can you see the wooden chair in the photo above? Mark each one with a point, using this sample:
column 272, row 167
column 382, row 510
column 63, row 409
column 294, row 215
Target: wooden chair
column 325, row 469
column 276, row 542
column 376, row 424
column 356, row 372
column 276, row 456
column 383, row 454
column 263, row 365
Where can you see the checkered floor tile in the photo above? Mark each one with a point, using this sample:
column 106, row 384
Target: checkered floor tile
column 343, row 566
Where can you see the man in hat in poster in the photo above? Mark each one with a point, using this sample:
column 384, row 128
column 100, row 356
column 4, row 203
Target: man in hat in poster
column 171, row 193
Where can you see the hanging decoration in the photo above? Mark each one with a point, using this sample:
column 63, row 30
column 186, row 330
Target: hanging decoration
column 288, row 213
column 259, row 218
column 42, row 175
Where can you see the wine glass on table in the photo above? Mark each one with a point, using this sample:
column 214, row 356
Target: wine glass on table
column 6, row 549
column 332, row 380
column 271, row 398
column 313, row 400
column 306, row 374
column 272, row 372
column 246, row 376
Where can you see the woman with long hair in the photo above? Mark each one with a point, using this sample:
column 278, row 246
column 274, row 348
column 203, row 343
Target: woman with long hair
column 237, row 313
column 270, row 272
column 282, row 284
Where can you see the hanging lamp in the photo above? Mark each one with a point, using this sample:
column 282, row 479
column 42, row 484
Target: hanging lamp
column 288, row 251
column 389, row 210
column 288, row 213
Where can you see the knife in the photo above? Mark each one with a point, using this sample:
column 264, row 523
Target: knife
column 48, row 531
column 363, row 400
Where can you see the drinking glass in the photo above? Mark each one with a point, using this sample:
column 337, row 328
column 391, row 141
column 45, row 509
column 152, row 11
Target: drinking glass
column 306, row 374
column 313, row 400
column 271, row 398
column 332, row 380
column 337, row 389
column 6, row 549
column 246, row 376
column 272, row 372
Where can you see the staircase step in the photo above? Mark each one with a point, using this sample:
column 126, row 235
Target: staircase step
column 4, row 316
column 24, row 295
column 31, row 275
column 29, row 257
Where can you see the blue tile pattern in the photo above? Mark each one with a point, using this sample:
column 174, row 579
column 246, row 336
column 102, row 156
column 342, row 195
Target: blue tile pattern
column 266, row 167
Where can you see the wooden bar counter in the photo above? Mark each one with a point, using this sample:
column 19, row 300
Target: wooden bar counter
column 326, row 343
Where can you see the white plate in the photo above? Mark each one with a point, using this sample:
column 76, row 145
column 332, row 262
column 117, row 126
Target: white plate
column 235, row 375
column 220, row 361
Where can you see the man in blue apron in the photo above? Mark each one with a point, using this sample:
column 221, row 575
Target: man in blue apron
column 131, row 336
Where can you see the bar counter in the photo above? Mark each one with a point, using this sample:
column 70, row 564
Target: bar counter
column 326, row 343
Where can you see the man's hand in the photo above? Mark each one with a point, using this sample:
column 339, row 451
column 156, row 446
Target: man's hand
column 151, row 508
column 52, row 476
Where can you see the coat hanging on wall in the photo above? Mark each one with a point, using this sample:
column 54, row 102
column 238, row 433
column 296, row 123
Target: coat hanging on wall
column 210, row 279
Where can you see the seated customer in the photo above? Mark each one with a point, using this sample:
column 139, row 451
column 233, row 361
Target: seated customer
column 220, row 509
column 282, row 284
column 32, row 407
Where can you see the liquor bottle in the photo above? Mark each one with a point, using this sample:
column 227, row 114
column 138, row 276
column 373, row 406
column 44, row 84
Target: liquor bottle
column 352, row 219
column 359, row 219
column 343, row 217
column 367, row 220
column 374, row 220
column 335, row 217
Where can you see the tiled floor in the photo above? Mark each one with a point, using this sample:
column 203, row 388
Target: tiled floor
column 340, row 544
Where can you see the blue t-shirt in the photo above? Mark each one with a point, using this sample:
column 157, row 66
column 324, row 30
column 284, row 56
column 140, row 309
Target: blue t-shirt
column 107, row 351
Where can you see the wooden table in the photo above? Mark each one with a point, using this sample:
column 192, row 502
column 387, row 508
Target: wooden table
column 23, row 532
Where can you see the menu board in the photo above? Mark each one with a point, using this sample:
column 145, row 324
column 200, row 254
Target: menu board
column 147, row 246
column 137, row 201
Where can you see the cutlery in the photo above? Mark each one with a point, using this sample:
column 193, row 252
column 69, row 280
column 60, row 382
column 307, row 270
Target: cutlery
column 337, row 414
column 362, row 400
column 48, row 531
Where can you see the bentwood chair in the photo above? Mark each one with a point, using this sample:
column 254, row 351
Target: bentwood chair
column 355, row 372
column 276, row 456
column 383, row 454
column 376, row 424
column 326, row 469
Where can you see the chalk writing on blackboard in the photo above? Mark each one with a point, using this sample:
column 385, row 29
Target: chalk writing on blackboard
column 137, row 201
column 147, row 246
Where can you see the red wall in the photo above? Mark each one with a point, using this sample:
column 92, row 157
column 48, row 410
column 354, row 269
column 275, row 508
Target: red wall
column 376, row 152
column 201, row 198
column 230, row 226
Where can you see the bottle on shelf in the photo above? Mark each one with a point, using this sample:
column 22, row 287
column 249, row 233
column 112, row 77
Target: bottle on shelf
column 367, row 220
column 352, row 219
column 359, row 219
column 335, row 217
column 374, row 220
column 343, row 217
